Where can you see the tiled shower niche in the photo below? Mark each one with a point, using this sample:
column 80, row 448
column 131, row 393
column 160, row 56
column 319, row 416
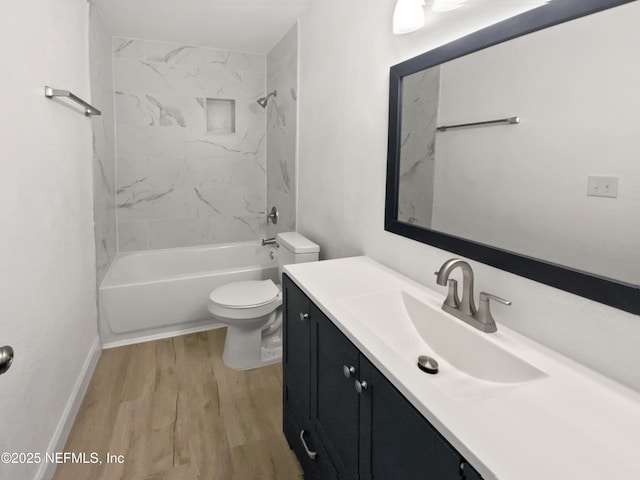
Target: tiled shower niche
column 220, row 116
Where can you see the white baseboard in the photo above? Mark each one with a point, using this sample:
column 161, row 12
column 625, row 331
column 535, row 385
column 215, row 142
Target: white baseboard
column 145, row 337
column 59, row 439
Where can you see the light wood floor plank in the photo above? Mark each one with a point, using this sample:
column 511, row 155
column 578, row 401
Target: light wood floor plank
column 175, row 411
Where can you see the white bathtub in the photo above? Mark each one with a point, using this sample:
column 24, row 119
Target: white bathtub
column 161, row 293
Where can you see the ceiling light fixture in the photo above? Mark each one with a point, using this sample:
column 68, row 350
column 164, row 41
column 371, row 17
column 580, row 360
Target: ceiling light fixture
column 408, row 16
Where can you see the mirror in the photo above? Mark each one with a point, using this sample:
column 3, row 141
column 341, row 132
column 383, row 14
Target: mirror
column 552, row 194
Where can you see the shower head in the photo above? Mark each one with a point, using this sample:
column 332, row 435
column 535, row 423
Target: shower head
column 263, row 101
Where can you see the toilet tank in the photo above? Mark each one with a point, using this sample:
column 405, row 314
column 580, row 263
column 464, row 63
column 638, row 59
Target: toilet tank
column 295, row 248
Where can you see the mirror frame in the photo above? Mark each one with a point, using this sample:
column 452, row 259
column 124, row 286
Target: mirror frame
column 617, row 294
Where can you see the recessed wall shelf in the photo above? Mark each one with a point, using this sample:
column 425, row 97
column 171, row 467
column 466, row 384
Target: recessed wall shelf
column 220, row 115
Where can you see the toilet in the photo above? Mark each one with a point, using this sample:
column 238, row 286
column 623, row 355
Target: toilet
column 252, row 310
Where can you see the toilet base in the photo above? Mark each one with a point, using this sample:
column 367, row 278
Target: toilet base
column 245, row 349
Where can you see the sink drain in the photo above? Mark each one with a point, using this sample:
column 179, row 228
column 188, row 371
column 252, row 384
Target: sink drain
column 428, row 364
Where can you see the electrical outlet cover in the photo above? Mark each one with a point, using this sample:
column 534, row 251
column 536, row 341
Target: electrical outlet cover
column 602, row 187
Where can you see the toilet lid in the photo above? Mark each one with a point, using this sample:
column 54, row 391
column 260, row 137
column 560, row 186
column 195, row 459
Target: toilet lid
column 246, row 294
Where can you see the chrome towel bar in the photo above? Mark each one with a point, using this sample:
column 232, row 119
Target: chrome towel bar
column 88, row 109
column 501, row 121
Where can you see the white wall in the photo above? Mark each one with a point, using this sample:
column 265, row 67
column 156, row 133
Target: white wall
column 346, row 49
column 47, row 259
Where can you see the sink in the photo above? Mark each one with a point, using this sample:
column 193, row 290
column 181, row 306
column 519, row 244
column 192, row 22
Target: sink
column 411, row 324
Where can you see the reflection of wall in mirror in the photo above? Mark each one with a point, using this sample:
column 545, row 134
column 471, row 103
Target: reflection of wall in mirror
column 420, row 93
column 524, row 187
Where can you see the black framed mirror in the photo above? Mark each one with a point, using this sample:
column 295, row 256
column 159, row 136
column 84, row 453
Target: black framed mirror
column 468, row 176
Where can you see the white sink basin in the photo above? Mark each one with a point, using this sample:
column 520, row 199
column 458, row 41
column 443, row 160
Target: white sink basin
column 405, row 322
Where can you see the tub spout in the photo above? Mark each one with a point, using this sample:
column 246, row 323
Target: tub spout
column 268, row 241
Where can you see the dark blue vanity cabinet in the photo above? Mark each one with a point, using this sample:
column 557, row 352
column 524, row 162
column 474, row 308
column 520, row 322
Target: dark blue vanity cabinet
column 342, row 417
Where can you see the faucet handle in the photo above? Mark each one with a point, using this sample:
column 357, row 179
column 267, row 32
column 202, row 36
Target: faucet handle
column 485, row 297
column 484, row 311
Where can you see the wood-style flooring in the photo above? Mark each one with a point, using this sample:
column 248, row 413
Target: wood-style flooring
column 174, row 411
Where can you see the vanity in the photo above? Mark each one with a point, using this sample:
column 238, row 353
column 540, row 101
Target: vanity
column 356, row 405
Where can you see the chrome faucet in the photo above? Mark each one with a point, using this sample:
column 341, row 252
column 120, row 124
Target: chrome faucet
column 465, row 308
column 269, row 241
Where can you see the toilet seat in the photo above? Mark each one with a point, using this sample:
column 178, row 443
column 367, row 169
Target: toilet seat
column 246, row 300
column 247, row 294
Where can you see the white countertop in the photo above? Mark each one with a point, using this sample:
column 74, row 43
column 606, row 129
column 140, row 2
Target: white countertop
column 573, row 424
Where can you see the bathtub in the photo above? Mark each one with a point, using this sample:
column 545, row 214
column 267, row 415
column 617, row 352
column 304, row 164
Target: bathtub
column 161, row 293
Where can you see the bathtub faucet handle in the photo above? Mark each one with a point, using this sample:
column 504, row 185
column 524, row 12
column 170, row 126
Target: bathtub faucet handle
column 268, row 241
column 273, row 215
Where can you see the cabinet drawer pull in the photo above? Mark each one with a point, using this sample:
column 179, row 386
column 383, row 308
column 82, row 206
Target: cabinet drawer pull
column 304, row 316
column 348, row 371
column 361, row 386
column 310, row 454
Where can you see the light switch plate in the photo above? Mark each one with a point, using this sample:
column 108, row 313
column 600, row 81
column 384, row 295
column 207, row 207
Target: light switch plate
column 602, row 187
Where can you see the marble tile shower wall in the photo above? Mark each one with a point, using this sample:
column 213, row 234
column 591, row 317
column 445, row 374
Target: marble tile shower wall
column 282, row 116
column 418, row 150
column 178, row 184
column 104, row 156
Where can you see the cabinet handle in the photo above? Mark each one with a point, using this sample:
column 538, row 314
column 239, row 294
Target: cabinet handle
column 361, row 386
column 310, row 454
column 304, row 316
column 348, row 371
column 6, row 358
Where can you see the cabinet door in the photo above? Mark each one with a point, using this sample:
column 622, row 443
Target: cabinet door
column 335, row 409
column 298, row 351
column 296, row 361
column 396, row 441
